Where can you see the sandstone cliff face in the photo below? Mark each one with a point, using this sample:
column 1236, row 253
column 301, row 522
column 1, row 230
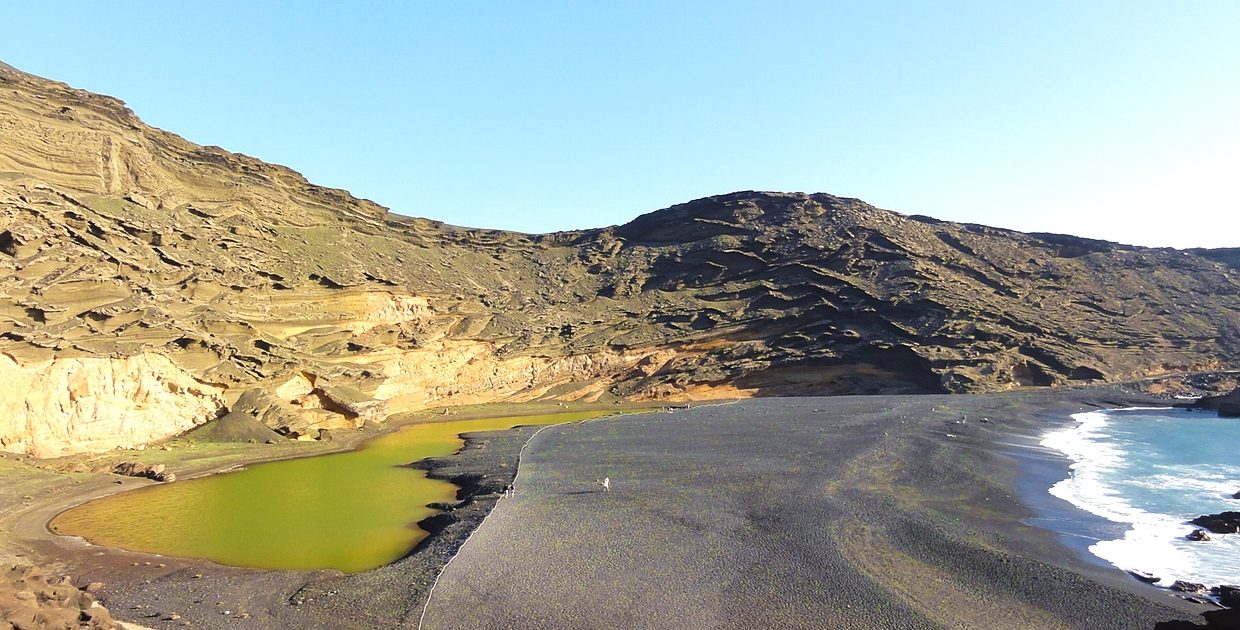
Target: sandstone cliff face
column 61, row 406
column 305, row 308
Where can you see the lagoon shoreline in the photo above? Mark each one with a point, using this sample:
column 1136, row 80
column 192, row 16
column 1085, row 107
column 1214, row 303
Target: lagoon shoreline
column 922, row 481
column 145, row 588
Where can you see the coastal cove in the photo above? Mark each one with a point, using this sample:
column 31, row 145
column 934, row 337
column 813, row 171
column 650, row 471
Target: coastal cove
column 792, row 315
column 1150, row 471
column 352, row 510
column 894, row 486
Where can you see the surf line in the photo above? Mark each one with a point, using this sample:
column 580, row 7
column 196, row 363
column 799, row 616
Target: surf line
column 1150, row 532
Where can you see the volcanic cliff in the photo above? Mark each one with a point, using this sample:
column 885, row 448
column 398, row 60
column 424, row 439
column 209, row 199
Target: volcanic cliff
column 151, row 285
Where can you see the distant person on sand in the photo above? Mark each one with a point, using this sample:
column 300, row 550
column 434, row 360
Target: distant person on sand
column 606, row 484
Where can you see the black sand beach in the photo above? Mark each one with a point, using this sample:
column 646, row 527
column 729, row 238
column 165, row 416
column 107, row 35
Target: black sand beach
column 848, row 512
column 855, row 512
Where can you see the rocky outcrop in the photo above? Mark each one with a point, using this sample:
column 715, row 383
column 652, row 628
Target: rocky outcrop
column 1227, row 405
column 1221, row 523
column 283, row 305
column 1229, row 256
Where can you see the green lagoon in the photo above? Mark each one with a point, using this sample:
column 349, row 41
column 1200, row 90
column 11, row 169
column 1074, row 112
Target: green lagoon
column 353, row 511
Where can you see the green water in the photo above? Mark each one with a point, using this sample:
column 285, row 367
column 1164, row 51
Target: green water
column 351, row 511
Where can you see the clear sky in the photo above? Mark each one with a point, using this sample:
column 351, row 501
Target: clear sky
column 1116, row 120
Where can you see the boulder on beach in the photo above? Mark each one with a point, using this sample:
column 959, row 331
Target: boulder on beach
column 156, row 472
column 1221, row 523
column 1188, row 587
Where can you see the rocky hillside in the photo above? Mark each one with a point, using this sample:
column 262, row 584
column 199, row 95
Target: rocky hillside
column 151, row 285
column 1228, row 255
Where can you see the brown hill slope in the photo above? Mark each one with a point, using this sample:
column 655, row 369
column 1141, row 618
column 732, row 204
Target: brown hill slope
column 151, row 285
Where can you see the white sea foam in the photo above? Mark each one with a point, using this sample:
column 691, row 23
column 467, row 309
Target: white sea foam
column 1181, row 478
column 1154, row 542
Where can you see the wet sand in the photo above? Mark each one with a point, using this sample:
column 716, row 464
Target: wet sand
column 855, row 512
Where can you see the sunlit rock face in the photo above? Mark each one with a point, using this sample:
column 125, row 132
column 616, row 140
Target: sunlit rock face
column 177, row 283
column 90, row 404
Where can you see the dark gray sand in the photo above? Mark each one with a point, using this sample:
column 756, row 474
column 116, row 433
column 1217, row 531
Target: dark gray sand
column 814, row 513
column 166, row 592
column 855, row 512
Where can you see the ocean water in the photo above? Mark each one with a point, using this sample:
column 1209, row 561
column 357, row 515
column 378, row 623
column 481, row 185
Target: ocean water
column 1153, row 470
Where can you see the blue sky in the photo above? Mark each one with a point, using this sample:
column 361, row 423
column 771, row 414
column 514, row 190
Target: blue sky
column 1117, row 120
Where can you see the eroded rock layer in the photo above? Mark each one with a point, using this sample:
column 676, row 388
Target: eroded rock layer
column 151, row 285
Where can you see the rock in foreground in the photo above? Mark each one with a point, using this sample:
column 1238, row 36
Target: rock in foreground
column 33, row 600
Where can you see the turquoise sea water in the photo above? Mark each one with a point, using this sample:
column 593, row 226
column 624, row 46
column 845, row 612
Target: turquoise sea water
column 1153, row 470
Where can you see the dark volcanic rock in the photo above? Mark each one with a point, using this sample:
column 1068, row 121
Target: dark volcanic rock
column 1227, row 594
column 1227, row 405
column 1229, row 256
column 1225, row 619
column 1198, row 535
column 1221, row 523
column 1188, row 587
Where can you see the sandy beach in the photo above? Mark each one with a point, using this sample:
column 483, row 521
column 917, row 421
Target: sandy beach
column 845, row 512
